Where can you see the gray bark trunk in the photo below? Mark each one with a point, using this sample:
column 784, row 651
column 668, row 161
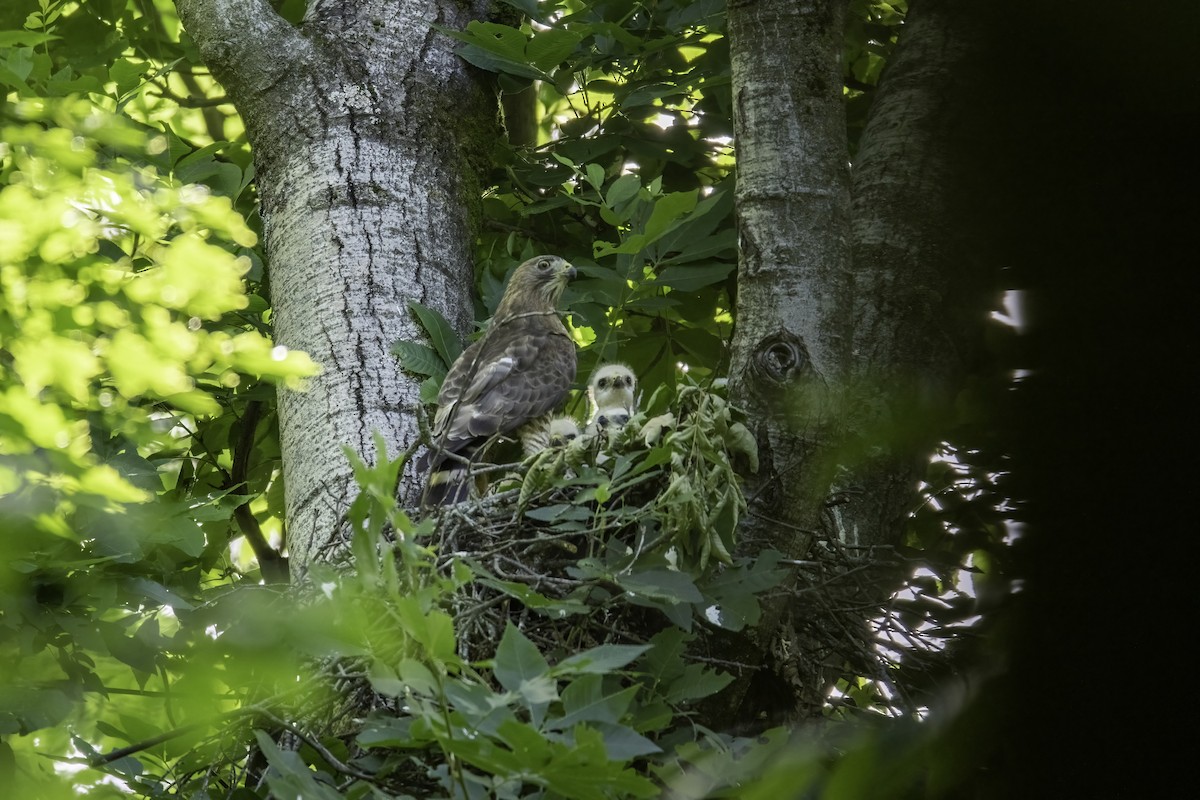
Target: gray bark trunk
column 855, row 319
column 793, row 209
column 791, row 345
column 368, row 134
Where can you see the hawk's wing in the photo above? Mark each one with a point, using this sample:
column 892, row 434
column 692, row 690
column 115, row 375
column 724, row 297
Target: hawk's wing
column 498, row 384
column 519, row 375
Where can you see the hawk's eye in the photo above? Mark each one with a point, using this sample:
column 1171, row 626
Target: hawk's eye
column 544, row 264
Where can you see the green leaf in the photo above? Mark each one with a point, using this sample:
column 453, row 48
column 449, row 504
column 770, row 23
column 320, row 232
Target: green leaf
column 622, row 189
column 292, row 777
column 710, row 213
column 417, row 676
column 441, row 333
column 696, row 682
column 535, row 600
column 484, row 59
column 430, row 387
column 612, row 30
column 496, row 38
column 157, row 592
column 623, row 743
column 701, row 344
column 692, row 249
column 739, row 439
column 517, row 660
column 432, row 628
column 584, row 700
column 595, row 176
column 163, row 527
column 694, row 276
column 647, row 93
column 133, row 652
column 28, row 708
column 547, row 49
column 664, row 661
column 16, row 66
column 384, row 680
column 662, row 584
column 26, row 38
column 602, row 659
column 559, row 512
column 386, row 732
column 669, row 210
column 127, row 74
column 419, row 359
column 585, row 771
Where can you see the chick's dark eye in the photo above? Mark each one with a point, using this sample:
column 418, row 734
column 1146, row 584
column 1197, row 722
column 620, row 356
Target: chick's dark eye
column 603, row 382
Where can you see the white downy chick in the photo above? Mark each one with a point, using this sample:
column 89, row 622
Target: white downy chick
column 612, row 385
column 553, row 431
column 608, row 421
column 563, row 430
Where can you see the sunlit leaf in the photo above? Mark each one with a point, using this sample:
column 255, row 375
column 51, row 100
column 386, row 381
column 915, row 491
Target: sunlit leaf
column 547, row 49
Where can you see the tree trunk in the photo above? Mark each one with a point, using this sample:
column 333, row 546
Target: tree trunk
column 918, row 298
column 848, row 366
column 791, row 345
column 368, row 134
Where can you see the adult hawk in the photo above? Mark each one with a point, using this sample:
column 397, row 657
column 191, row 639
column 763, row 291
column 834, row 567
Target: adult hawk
column 517, row 372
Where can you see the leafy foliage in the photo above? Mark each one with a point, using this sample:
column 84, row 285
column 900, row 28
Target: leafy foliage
column 139, row 458
column 629, row 177
column 133, row 356
column 538, row 712
column 670, row 475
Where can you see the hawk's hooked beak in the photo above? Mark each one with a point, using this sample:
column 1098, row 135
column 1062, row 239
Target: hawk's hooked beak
column 567, row 271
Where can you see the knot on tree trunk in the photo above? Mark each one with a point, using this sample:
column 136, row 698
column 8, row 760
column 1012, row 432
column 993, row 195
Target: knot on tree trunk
column 779, row 360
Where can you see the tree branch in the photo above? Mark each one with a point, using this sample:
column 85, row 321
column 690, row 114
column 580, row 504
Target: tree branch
column 274, row 566
column 245, row 43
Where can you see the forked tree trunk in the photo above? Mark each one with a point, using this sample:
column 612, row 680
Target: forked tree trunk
column 368, row 134
column 855, row 321
column 921, row 291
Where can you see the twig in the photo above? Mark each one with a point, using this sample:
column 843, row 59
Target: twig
column 315, row 744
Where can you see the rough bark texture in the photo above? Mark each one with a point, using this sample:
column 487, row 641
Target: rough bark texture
column 848, row 366
column 918, row 298
column 793, row 206
column 791, row 343
column 364, row 124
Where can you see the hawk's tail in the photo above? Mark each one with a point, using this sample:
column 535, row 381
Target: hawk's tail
column 448, row 484
column 449, row 478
